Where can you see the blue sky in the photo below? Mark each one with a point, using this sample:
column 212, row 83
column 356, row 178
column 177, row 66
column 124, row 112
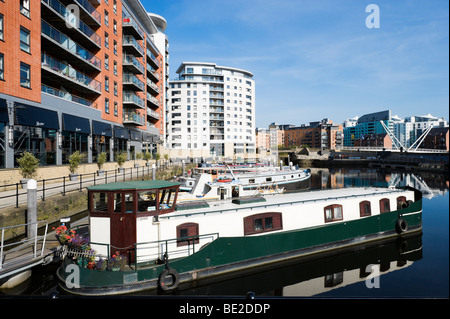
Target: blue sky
column 317, row 59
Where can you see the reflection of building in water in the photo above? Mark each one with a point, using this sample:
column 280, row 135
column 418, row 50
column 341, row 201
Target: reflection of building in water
column 365, row 264
column 428, row 183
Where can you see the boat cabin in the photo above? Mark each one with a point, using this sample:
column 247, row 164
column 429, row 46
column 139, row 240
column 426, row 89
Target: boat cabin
column 114, row 209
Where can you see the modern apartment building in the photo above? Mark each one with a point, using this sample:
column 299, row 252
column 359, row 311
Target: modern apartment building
column 86, row 75
column 211, row 113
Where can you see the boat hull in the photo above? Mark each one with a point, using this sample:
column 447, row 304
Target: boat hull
column 227, row 255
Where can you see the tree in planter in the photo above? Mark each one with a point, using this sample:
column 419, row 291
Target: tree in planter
column 139, row 156
column 147, row 156
column 28, row 165
column 166, row 157
column 101, row 159
column 157, row 157
column 120, row 159
column 74, row 162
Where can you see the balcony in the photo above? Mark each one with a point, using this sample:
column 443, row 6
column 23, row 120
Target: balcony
column 152, row 74
column 88, row 13
column 154, row 102
column 73, row 53
column 130, row 99
column 133, row 118
column 152, row 114
column 130, row 26
column 153, row 88
column 153, row 59
column 131, row 45
column 67, row 96
column 64, row 19
column 131, row 64
column 132, row 82
column 64, row 74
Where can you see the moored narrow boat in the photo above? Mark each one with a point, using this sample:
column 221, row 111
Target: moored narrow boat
column 142, row 221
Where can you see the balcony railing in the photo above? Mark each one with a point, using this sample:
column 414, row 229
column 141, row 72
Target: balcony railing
column 69, row 44
column 129, row 21
column 67, row 96
column 152, row 85
column 67, row 15
column 152, row 99
column 129, row 97
column 92, row 11
column 68, row 71
column 131, row 117
column 152, row 113
column 153, row 57
column 131, row 59
column 132, row 79
column 128, row 39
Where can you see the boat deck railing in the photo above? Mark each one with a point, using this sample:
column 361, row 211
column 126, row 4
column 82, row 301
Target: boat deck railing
column 148, row 253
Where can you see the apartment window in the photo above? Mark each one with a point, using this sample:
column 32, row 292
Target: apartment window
column 25, row 8
column 116, row 109
column 106, row 84
column 106, row 62
column 2, row 65
column 24, row 39
column 115, row 6
column 106, row 18
column 115, row 27
column 107, row 105
column 115, row 47
column 106, row 40
column 333, row 213
column 115, row 67
column 1, row 26
column 25, row 75
column 115, row 88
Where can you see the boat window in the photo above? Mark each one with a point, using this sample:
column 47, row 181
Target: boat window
column 401, row 202
column 251, row 180
column 167, row 198
column 364, row 209
column 128, row 198
column 118, row 202
column 100, row 201
column 333, row 213
column 259, row 223
column 384, row 205
column 268, row 179
column 186, row 233
column 147, row 201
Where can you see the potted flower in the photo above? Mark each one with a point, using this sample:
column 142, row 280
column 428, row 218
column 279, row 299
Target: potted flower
column 120, row 159
column 28, row 165
column 64, row 235
column 74, row 162
column 101, row 159
column 117, row 262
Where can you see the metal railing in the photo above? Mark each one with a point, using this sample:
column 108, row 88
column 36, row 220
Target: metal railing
column 24, row 250
column 63, row 185
column 150, row 251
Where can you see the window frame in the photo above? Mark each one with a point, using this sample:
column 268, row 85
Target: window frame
column 2, row 66
column 250, row 223
column 27, row 44
column 192, row 229
column 384, row 200
column 363, row 209
column 28, row 85
column 334, row 218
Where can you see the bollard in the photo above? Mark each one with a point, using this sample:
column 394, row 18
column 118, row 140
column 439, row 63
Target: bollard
column 183, row 165
column 31, row 208
column 154, row 171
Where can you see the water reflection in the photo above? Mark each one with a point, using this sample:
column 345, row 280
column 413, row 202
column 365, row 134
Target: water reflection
column 305, row 278
column 429, row 184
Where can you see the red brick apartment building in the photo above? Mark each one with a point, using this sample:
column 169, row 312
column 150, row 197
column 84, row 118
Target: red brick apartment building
column 86, row 75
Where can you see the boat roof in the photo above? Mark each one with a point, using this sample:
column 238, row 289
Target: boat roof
column 136, row 185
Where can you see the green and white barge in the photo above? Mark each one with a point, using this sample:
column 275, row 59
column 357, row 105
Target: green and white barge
column 168, row 244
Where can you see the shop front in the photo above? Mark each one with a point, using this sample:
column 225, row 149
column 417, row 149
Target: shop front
column 75, row 137
column 101, row 139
